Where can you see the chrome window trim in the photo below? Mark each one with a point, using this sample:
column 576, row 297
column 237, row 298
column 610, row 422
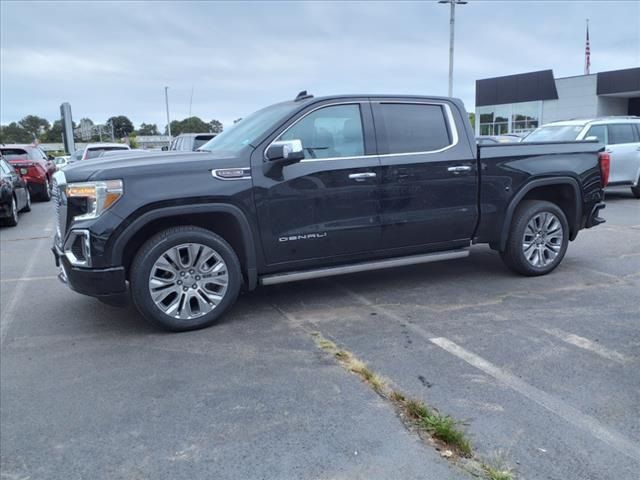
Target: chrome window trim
column 448, row 114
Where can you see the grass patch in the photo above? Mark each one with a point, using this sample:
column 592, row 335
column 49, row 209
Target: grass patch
column 494, row 473
column 415, row 413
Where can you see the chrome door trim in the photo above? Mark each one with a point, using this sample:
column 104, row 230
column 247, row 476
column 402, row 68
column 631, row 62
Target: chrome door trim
column 448, row 113
column 363, row 267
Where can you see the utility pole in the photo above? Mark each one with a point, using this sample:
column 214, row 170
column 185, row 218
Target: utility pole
column 190, row 101
column 166, row 101
column 452, row 28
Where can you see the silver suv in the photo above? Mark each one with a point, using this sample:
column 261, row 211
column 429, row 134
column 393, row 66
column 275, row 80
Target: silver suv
column 621, row 135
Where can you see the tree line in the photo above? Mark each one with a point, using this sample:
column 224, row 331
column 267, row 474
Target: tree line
column 33, row 127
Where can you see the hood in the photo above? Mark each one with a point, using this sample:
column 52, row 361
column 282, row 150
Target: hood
column 133, row 164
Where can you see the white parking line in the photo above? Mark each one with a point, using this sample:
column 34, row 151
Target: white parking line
column 27, row 279
column 587, row 344
column 549, row 402
column 10, row 312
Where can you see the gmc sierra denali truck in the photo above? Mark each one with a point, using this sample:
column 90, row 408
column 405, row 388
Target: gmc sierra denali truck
column 316, row 187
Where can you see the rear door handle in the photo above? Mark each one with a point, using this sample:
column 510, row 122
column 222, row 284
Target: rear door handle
column 358, row 177
column 459, row 169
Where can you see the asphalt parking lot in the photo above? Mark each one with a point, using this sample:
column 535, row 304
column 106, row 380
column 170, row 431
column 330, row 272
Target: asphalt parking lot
column 544, row 372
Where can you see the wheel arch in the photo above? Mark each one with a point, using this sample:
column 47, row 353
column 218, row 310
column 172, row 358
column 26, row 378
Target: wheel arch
column 562, row 191
column 228, row 221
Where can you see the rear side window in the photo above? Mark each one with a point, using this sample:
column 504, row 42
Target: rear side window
column 14, row 154
column 95, row 152
column 201, row 140
column 412, row 128
column 621, row 133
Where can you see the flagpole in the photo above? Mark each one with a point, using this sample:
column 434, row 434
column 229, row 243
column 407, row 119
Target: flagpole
column 587, row 53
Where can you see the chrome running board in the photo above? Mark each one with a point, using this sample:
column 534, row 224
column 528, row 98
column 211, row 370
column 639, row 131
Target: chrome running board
column 363, row 266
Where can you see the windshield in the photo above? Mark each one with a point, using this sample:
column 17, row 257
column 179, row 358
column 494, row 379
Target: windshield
column 555, row 133
column 249, row 129
column 14, row 154
column 96, row 151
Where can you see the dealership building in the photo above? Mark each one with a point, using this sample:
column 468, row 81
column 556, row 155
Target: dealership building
column 519, row 103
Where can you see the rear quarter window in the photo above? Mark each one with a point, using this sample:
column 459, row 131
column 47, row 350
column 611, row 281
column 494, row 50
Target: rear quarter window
column 413, row 128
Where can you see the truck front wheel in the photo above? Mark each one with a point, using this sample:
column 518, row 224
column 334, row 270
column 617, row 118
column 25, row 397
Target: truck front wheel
column 538, row 238
column 185, row 278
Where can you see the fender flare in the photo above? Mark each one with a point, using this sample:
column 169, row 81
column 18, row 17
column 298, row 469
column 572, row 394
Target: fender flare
column 247, row 238
column 542, row 182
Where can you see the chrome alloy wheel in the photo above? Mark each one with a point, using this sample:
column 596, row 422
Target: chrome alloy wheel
column 188, row 281
column 542, row 240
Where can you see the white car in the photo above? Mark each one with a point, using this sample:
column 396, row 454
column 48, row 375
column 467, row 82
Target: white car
column 621, row 135
column 93, row 150
column 61, row 161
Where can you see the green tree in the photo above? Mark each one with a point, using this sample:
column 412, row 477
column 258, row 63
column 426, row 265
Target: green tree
column 14, row 133
column 472, row 119
column 35, row 126
column 189, row 125
column 215, row 126
column 148, row 129
column 122, row 126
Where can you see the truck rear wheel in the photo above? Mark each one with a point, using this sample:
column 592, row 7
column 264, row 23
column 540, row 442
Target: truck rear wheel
column 185, row 278
column 538, row 238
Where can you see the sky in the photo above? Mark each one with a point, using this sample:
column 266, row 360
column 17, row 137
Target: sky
column 111, row 58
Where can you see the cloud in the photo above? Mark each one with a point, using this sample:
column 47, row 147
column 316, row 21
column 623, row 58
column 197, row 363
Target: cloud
column 112, row 58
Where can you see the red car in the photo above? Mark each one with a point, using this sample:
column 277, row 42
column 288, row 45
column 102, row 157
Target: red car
column 34, row 166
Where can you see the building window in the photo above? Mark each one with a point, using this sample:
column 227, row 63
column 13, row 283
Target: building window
column 508, row 118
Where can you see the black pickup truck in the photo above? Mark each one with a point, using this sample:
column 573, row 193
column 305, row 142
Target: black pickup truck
column 316, row 187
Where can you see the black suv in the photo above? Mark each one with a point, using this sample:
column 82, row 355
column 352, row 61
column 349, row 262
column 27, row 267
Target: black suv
column 316, row 187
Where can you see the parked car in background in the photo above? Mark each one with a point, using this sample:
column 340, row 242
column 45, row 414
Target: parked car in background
column 494, row 139
column 14, row 194
column 315, row 187
column 123, row 153
column 190, row 142
column 93, row 150
column 621, row 135
column 34, row 166
column 61, row 161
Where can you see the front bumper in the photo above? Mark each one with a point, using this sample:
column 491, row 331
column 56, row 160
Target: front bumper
column 104, row 283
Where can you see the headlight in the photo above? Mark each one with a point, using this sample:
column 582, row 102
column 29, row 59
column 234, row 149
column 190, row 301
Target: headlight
column 94, row 197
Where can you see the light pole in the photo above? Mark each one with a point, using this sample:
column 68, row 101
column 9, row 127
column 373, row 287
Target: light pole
column 452, row 25
column 166, row 101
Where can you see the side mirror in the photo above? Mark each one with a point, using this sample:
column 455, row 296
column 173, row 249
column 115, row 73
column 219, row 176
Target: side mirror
column 50, row 157
column 164, row 148
column 285, row 152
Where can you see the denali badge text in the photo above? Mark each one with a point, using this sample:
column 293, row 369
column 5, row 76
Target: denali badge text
column 308, row 236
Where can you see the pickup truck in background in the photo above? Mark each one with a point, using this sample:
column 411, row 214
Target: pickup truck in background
column 316, row 187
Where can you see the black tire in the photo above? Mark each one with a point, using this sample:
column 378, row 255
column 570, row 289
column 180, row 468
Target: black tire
column 635, row 191
column 27, row 207
column 153, row 249
column 12, row 219
column 45, row 196
column 514, row 254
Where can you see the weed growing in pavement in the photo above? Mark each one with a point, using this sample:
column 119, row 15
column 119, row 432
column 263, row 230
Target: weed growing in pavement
column 443, row 429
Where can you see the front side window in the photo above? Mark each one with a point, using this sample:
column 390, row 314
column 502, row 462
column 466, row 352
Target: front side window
column 621, row 133
column 413, row 128
column 599, row 131
column 329, row 132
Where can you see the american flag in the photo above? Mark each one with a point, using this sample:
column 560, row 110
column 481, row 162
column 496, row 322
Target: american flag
column 587, row 54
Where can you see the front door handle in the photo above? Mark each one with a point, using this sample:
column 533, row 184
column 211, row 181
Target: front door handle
column 358, row 177
column 459, row 169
